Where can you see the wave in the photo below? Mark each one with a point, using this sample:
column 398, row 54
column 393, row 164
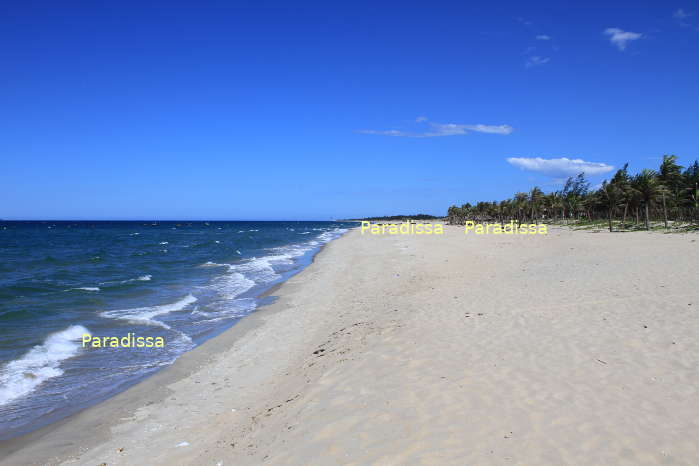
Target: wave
column 144, row 315
column 86, row 288
column 245, row 275
column 237, row 309
column 232, row 285
column 21, row 376
column 213, row 264
column 142, row 278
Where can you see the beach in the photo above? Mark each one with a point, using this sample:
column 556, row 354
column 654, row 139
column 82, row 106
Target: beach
column 574, row 347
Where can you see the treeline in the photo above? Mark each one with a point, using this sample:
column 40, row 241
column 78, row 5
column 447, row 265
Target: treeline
column 669, row 195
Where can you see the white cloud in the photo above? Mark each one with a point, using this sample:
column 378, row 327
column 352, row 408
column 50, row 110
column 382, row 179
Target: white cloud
column 390, row 132
column 452, row 129
column 620, row 38
column 681, row 14
column 536, row 60
column 560, row 167
column 499, row 129
column 543, row 37
column 420, row 119
column 443, row 129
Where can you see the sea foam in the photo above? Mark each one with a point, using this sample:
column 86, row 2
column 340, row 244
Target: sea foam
column 144, row 315
column 21, row 376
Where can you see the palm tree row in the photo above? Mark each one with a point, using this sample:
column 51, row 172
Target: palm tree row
column 669, row 195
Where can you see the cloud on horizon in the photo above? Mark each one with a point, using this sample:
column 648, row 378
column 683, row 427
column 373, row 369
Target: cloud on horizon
column 559, row 168
column 620, row 38
column 442, row 129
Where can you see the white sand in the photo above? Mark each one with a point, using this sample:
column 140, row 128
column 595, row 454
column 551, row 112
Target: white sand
column 572, row 348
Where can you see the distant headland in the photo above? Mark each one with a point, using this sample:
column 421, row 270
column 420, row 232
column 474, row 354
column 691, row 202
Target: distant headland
column 393, row 218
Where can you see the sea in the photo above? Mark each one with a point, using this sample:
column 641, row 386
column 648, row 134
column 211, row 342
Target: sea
column 183, row 281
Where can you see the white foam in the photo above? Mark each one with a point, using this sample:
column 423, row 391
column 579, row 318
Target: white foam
column 260, row 269
column 213, row 264
column 238, row 308
column 164, row 242
column 332, row 234
column 246, row 274
column 144, row 315
column 88, row 288
column 142, row 278
column 21, row 376
column 232, row 284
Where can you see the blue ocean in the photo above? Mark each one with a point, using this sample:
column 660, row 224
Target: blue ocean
column 182, row 281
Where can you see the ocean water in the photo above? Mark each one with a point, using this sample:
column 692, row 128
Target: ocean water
column 182, row 281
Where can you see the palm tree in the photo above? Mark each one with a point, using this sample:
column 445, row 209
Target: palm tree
column 552, row 202
column 679, row 191
column 671, row 177
column 622, row 181
column 648, row 187
column 520, row 203
column 573, row 202
column 691, row 184
column 612, row 195
column 536, row 195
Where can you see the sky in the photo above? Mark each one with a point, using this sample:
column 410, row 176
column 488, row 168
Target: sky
column 225, row 110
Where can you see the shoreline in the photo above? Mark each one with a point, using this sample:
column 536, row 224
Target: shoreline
column 568, row 348
column 147, row 391
column 62, row 436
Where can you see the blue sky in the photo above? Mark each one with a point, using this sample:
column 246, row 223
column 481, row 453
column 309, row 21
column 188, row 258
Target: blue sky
column 262, row 110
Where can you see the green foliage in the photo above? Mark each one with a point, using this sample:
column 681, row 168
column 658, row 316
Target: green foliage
column 669, row 194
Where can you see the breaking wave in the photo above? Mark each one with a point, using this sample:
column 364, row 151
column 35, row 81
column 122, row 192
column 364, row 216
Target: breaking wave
column 22, row 376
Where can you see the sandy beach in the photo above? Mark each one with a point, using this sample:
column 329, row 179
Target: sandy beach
column 576, row 347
